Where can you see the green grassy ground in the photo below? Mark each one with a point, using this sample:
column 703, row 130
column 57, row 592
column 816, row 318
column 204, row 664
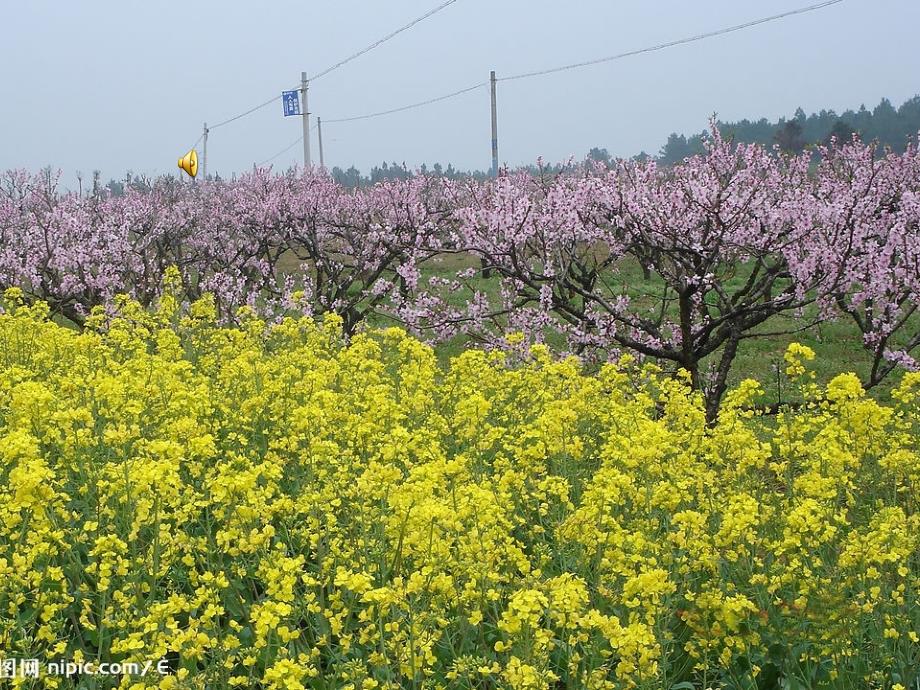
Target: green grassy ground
column 837, row 344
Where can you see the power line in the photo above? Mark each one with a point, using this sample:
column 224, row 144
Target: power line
column 384, row 112
column 383, row 40
column 670, row 44
column 525, row 75
column 200, row 137
column 660, row 46
column 409, row 107
column 248, row 112
column 286, row 148
column 282, row 151
column 326, row 71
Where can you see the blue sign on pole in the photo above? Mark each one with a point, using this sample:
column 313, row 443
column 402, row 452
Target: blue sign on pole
column 291, row 102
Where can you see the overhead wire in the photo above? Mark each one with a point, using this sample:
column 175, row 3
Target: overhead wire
column 671, row 44
column 383, row 40
column 345, row 61
column 410, row 106
column 535, row 73
column 248, row 112
column 649, row 49
column 286, row 148
column 200, row 137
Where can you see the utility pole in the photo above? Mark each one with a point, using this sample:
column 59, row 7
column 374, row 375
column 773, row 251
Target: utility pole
column 494, row 128
column 304, row 85
column 486, row 269
column 319, row 132
column 204, row 157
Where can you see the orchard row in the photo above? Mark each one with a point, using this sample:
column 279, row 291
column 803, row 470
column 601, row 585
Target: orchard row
column 728, row 243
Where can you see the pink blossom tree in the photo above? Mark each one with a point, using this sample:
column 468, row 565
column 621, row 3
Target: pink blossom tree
column 726, row 239
column 866, row 211
column 726, row 242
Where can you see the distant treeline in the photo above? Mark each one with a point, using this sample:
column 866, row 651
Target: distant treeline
column 886, row 124
column 890, row 126
column 352, row 177
column 399, row 171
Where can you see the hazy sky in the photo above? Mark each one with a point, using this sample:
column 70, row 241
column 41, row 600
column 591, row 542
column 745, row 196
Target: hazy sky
column 126, row 85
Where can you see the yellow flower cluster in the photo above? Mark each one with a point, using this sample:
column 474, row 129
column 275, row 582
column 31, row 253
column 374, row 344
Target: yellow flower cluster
column 271, row 507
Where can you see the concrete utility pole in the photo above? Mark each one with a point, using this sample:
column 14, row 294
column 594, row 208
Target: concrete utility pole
column 305, row 112
column 319, row 132
column 204, row 155
column 494, row 128
column 486, row 270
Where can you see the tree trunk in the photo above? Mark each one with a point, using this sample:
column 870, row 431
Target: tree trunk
column 716, row 391
column 689, row 360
